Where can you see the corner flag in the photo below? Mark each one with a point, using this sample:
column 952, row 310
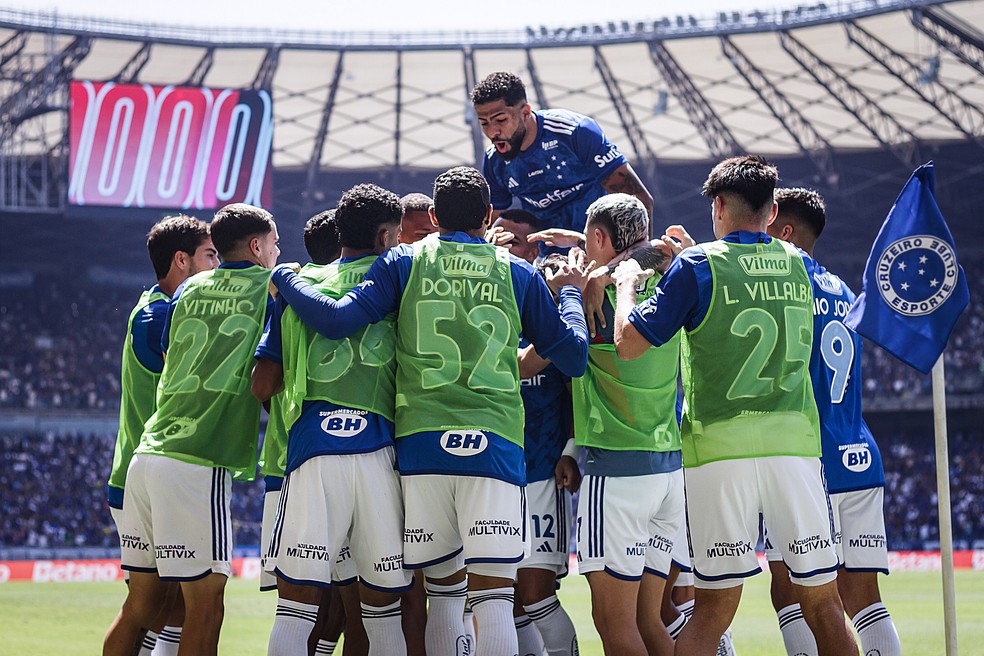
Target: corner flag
column 913, row 290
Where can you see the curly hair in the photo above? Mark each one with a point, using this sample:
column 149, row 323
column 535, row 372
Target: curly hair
column 500, row 86
column 362, row 211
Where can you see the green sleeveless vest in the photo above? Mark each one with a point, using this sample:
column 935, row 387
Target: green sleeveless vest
column 746, row 366
column 138, row 397
column 273, row 454
column 457, row 338
column 358, row 371
column 628, row 405
column 206, row 414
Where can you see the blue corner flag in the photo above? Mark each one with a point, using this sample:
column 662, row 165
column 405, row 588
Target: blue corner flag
column 914, row 290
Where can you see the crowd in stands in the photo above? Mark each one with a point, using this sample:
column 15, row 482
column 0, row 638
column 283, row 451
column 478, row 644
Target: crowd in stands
column 55, row 492
column 60, row 348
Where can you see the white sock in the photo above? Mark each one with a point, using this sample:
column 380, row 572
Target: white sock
column 384, row 626
column 291, row 628
column 495, row 628
column 530, row 642
column 877, row 631
column 796, row 634
column 469, row 623
column 168, row 642
column 445, row 631
column 555, row 626
column 325, row 648
column 676, row 626
column 725, row 646
column 687, row 608
column 148, row 644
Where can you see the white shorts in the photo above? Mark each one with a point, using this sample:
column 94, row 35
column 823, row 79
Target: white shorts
column 550, row 534
column 626, row 524
column 333, row 499
column 859, row 530
column 271, row 500
column 176, row 519
column 475, row 521
column 681, row 558
column 724, row 500
column 117, row 515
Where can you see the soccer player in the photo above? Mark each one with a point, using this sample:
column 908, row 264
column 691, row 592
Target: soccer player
column 416, row 223
column 179, row 247
column 176, row 524
column 851, row 461
column 512, row 230
column 462, row 304
column 631, row 503
column 555, row 161
column 339, row 400
column 751, row 434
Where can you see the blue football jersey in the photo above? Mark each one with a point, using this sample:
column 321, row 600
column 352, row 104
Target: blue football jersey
column 560, row 175
column 851, row 460
column 548, row 420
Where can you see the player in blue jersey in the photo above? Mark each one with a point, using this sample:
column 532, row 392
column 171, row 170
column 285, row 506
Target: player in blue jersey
column 416, row 223
column 750, row 427
column 462, row 479
column 179, row 247
column 557, row 162
column 512, row 230
column 851, row 461
column 340, row 455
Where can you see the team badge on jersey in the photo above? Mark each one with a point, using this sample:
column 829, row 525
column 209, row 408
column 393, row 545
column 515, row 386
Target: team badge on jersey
column 917, row 274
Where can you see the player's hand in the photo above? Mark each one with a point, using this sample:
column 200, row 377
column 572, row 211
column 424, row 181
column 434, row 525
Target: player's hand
column 676, row 238
column 630, row 273
column 557, row 237
column 594, row 299
column 499, row 236
column 567, row 474
column 574, row 272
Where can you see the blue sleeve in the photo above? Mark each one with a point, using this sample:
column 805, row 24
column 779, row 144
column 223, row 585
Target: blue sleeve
column 374, row 298
column 681, row 299
column 166, row 328
column 499, row 195
column 271, row 345
column 147, row 331
column 593, row 147
column 560, row 337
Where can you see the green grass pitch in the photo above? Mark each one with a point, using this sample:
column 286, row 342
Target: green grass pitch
column 70, row 618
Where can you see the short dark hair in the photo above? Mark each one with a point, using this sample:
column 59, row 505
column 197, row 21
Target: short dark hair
column 461, row 199
column 749, row 177
column 551, row 262
column 521, row 216
column 321, row 238
column 362, row 210
column 622, row 216
column 236, row 223
column 416, row 202
column 803, row 205
column 170, row 235
column 500, row 86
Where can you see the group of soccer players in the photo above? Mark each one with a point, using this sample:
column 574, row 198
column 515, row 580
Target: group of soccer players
column 408, row 488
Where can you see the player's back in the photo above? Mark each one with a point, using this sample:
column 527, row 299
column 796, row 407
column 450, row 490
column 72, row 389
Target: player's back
column 205, row 411
column 851, row 457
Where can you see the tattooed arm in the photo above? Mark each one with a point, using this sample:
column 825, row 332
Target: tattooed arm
column 624, row 180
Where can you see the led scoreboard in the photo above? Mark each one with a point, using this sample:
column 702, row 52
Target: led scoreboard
column 137, row 145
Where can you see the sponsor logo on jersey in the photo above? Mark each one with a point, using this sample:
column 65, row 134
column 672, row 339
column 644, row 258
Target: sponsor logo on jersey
column 637, row 549
column 416, row 536
column 553, row 196
column 806, row 545
column 917, row 274
column 512, row 183
column 534, row 173
column 660, row 543
column 464, row 442
column 306, row 551
column 392, row 563
column 221, row 287
column 467, row 265
column 867, row 541
column 344, row 423
column 609, row 157
column 133, row 542
column 180, row 427
column 856, row 457
column 343, row 555
column 544, row 548
column 765, row 264
column 533, row 381
column 828, row 282
column 549, row 145
column 493, row 527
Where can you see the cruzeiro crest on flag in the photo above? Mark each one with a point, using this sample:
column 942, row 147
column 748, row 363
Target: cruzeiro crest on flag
column 917, row 274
